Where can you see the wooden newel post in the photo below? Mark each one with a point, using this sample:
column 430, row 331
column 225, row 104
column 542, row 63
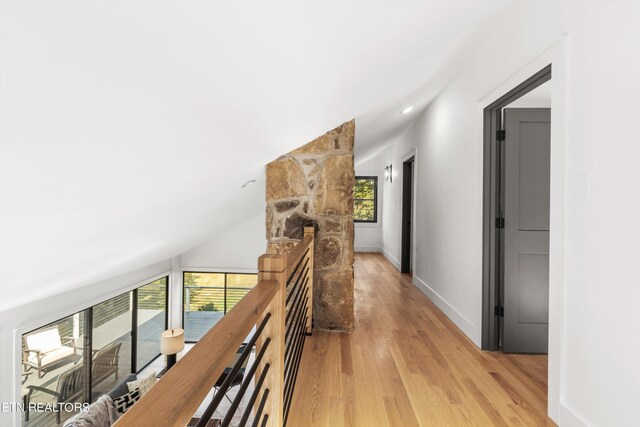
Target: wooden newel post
column 310, row 231
column 274, row 267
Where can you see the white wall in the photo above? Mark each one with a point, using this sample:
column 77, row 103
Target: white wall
column 368, row 236
column 121, row 148
column 394, row 155
column 595, row 206
column 237, row 249
column 16, row 321
column 593, row 341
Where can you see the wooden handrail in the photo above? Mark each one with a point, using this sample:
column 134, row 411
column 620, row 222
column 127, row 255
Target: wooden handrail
column 179, row 393
column 298, row 251
column 274, row 267
column 310, row 233
column 174, row 400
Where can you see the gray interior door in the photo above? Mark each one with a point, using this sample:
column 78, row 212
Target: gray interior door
column 526, row 230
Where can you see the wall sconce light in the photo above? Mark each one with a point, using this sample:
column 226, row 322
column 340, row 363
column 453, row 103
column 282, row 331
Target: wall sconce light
column 388, row 173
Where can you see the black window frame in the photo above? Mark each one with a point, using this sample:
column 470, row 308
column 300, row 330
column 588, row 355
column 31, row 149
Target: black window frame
column 225, row 273
column 134, row 323
column 375, row 200
column 87, row 343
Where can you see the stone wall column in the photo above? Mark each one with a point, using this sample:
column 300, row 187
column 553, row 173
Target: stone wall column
column 313, row 186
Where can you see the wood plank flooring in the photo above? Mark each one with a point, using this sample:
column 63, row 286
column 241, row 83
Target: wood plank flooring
column 406, row 364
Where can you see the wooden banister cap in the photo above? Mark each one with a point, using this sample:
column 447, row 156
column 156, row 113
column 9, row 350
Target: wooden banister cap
column 272, row 262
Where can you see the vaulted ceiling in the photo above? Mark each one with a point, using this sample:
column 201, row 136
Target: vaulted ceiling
column 127, row 128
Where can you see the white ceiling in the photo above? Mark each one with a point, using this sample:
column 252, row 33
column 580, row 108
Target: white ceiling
column 127, row 128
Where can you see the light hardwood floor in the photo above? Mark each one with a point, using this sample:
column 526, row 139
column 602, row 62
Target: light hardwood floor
column 406, row 364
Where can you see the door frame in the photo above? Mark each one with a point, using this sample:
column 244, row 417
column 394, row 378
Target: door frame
column 408, row 206
column 492, row 203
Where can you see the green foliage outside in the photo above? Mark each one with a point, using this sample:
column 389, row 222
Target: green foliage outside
column 207, row 290
column 364, row 199
column 208, row 307
column 153, row 296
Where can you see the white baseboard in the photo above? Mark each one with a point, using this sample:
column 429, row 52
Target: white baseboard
column 367, row 249
column 569, row 418
column 391, row 259
column 454, row 315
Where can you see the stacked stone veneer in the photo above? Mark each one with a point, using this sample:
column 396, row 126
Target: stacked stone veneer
column 313, row 185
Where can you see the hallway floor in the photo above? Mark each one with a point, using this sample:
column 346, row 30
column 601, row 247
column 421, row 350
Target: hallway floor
column 406, row 364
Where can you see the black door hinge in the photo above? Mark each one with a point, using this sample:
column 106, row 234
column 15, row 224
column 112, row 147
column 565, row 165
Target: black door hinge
column 499, row 310
column 499, row 222
column 500, row 135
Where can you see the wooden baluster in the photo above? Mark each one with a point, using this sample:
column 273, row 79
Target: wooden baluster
column 310, row 231
column 274, row 267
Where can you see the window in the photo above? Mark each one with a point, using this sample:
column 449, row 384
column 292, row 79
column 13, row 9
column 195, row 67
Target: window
column 208, row 297
column 111, row 343
column 50, row 354
column 89, row 352
column 365, row 198
column 151, row 305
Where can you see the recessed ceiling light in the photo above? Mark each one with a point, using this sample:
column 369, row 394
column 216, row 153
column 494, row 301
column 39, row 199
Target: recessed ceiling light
column 248, row 183
column 407, row 110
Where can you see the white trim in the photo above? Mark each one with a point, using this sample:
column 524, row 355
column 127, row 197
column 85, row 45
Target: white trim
column 568, row 418
column 367, row 249
column 219, row 270
column 21, row 330
column 409, row 154
column 391, row 259
column 454, row 315
column 175, row 293
column 17, row 374
column 556, row 55
column 367, row 224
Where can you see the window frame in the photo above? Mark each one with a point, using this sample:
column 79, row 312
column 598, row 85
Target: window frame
column 87, row 344
column 134, row 323
column 375, row 200
column 208, row 271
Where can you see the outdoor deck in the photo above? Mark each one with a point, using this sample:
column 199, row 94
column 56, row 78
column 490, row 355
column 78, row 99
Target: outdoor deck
column 151, row 325
column 197, row 323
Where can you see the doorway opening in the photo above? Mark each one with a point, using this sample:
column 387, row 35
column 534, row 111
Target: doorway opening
column 516, row 196
column 406, row 259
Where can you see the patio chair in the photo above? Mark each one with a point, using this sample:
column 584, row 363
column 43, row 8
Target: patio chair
column 69, row 388
column 227, row 371
column 105, row 362
column 46, row 348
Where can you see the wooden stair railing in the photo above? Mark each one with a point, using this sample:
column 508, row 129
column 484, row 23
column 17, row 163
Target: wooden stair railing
column 298, row 312
column 280, row 308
